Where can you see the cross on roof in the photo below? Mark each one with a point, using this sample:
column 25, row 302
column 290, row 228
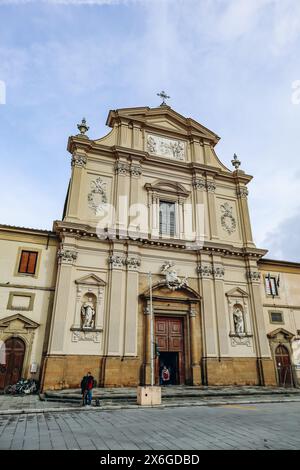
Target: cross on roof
column 164, row 96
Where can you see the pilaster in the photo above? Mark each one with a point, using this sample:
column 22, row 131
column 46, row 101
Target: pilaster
column 66, row 260
column 78, row 164
column 116, row 306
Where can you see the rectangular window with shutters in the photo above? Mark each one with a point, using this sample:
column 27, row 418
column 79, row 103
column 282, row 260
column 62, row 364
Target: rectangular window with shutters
column 271, row 285
column 167, row 218
column 28, row 262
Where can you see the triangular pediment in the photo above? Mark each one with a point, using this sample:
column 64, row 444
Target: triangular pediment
column 281, row 332
column 163, row 118
column 90, row 280
column 237, row 292
column 24, row 321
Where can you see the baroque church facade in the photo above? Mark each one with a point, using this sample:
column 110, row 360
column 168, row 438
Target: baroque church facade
column 148, row 202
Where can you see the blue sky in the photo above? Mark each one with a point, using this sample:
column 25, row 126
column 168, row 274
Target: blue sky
column 230, row 64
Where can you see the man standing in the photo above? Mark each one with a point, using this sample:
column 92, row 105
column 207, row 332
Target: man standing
column 87, row 384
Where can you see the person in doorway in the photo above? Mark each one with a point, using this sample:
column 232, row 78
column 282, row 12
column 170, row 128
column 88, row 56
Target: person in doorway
column 87, row 384
column 165, row 376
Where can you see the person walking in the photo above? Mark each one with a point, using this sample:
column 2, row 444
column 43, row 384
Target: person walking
column 87, row 384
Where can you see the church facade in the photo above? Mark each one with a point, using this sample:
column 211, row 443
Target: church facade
column 152, row 218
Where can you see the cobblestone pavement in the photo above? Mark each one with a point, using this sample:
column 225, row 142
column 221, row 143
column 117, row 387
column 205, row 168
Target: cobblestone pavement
column 261, row 426
column 20, row 402
column 32, row 403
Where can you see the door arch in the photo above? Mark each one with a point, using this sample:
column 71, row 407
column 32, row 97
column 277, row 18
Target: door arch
column 11, row 371
column 284, row 366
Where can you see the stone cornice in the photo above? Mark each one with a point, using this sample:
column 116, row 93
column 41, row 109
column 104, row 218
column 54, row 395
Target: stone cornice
column 280, row 266
column 76, row 230
column 191, row 168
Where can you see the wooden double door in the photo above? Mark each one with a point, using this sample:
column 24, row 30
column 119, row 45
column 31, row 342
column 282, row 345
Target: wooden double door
column 284, row 367
column 11, row 371
column 169, row 337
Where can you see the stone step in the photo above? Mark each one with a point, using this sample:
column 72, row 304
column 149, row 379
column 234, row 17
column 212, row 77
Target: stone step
column 109, row 397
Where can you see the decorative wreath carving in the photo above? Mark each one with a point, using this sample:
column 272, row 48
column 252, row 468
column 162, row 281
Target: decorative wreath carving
column 228, row 222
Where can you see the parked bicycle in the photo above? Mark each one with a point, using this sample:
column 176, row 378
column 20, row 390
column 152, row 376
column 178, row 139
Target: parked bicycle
column 22, row 387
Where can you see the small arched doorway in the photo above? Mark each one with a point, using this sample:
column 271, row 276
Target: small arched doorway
column 284, row 367
column 11, row 371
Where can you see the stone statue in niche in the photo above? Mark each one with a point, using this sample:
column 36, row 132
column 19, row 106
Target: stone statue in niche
column 238, row 319
column 88, row 314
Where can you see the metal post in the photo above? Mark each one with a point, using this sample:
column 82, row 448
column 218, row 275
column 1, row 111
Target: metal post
column 151, row 332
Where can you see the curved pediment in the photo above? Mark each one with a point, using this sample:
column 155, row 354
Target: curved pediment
column 167, row 187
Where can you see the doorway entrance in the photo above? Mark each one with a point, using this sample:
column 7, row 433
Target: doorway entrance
column 284, row 367
column 169, row 337
column 11, row 371
column 170, row 360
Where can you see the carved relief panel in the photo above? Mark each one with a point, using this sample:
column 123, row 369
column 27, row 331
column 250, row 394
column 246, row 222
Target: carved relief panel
column 98, row 195
column 227, row 219
column 165, row 147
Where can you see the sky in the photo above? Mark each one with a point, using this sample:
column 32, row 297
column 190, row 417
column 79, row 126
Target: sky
column 232, row 65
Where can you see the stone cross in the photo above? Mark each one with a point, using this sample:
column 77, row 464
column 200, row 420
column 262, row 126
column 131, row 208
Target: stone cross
column 164, row 96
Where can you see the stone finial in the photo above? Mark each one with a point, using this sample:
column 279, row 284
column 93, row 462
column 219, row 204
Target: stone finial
column 83, row 128
column 235, row 162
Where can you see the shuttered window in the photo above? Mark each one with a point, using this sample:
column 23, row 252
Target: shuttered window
column 28, row 262
column 271, row 285
column 167, row 218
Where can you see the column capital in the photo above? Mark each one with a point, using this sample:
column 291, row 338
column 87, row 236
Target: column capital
column 198, row 183
column 205, row 270
column 135, row 170
column 210, row 186
column 254, row 276
column 242, row 192
column 66, row 256
column 133, row 263
column 78, row 160
column 219, row 272
column 121, row 168
column 192, row 312
column 116, row 261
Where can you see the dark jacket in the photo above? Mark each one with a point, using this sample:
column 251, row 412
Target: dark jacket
column 87, row 383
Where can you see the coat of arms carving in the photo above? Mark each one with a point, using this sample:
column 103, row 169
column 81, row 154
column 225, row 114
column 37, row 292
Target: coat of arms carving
column 172, row 281
column 97, row 196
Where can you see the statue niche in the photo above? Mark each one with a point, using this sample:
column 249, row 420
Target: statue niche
column 238, row 320
column 88, row 311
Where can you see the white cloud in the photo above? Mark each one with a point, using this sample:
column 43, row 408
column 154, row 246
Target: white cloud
column 284, row 240
column 224, row 62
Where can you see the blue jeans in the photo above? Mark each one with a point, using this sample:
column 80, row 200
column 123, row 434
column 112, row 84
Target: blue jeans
column 88, row 397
